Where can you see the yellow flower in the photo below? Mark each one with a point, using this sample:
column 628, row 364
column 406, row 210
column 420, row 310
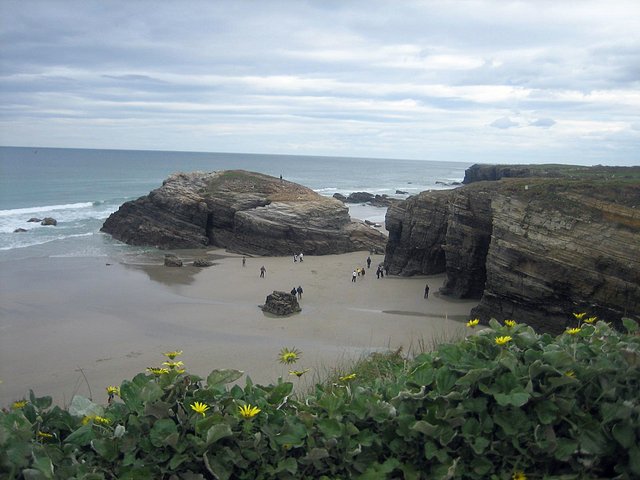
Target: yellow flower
column 289, row 355
column 19, row 404
column 503, row 340
column 199, row 407
column 298, row 373
column 348, row 378
column 247, row 411
column 158, row 371
column 95, row 419
column 180, row 370
column 519, row 475
column 510, row 323
column 473, row 323
column 172, row 355
column 173, row 365
column 111, row 390
column 44, row 434
column 572, row 331
column 570, row 373
column 579, row 315
column 590, row 319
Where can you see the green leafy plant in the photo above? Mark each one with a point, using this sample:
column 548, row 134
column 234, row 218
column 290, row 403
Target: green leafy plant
column 504, row 403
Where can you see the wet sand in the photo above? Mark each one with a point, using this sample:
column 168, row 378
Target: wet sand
column 76, row 325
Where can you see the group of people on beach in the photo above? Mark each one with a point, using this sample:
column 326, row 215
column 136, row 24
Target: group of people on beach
column 360, row 271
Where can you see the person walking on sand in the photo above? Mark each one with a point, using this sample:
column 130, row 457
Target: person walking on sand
column 301, row 257
column 299, row 290
column 378, row 272
column 244, row 261
column 426, row 291
column 368, row 262
column 262, row 271
column 295, row 258
column 293, row 291
column 353, row 276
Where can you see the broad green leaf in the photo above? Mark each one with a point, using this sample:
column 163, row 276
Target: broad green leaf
column 517, row 399
column 293, row 433
column 279, row 392
column 445, row 379
column 164, row 432
column 624, row 433
column 107, row 448
column 565, row 448
column 630, row 324
column 330, row 427
column 82, row 436
column 287, row 465
column 219, row 378
column 473, row 376
column 218, row 431
column 83, row 407
column 480, row 445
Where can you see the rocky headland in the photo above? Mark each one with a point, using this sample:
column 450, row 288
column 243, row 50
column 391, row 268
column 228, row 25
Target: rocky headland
column 530, row 248
column 241, row 211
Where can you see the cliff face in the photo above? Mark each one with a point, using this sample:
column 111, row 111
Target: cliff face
column 534, row 250
column 242, row 211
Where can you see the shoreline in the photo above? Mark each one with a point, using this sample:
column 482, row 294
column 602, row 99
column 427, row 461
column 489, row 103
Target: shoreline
column 67, row 319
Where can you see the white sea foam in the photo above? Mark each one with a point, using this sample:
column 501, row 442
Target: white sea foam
column 44, row 208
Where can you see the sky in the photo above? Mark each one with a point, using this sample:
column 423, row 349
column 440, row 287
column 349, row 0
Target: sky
column 470, row 81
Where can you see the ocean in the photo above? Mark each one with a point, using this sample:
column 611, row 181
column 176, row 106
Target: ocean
column 80, row 188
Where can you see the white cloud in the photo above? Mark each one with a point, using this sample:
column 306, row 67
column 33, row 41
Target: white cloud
column 341, row 78
column 504, row 123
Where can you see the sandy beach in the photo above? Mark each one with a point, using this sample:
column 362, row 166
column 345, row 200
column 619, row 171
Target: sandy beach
column 75, row 325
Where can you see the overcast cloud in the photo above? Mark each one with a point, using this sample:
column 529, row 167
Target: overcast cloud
column 473, row 81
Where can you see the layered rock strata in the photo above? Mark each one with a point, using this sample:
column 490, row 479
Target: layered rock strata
column 534, row 250
column 242, row 211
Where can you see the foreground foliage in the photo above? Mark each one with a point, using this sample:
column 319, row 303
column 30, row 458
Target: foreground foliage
column 506, row 403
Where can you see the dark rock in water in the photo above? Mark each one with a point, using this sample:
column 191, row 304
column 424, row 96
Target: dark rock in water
column 339, row 196
column 49, row 221
column 34, row 219
column 202, row 262
column 401, row 192
column 360, row 197
column 375, row 200
column 281, row 303
column 534, row 250
column 171, row 260
column 242, row 211
column 20, row 230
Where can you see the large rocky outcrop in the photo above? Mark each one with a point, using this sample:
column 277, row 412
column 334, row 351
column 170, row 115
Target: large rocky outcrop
column 242, row 211
column 534, row 250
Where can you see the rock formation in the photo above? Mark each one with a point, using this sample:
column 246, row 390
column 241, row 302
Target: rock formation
column 533, row 249
column 49, row 221
column 172, row 260
column 242, row 211
column 281, row 304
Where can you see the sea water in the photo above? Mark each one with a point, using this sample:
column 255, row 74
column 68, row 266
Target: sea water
column 80, row 188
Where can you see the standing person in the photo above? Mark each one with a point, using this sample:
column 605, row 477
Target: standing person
column 295, row 257
column 426, row 291
column 244, row 261
column 368, row 262
column 353, row 276
column 293, row 291
column 378, row 272
column 301, row 256
column 262, row 271
column 363, row 271
column 299, row 290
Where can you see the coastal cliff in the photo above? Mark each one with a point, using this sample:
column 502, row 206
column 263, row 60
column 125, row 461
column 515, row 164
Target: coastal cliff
column 530, row 249
column 242, row 211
